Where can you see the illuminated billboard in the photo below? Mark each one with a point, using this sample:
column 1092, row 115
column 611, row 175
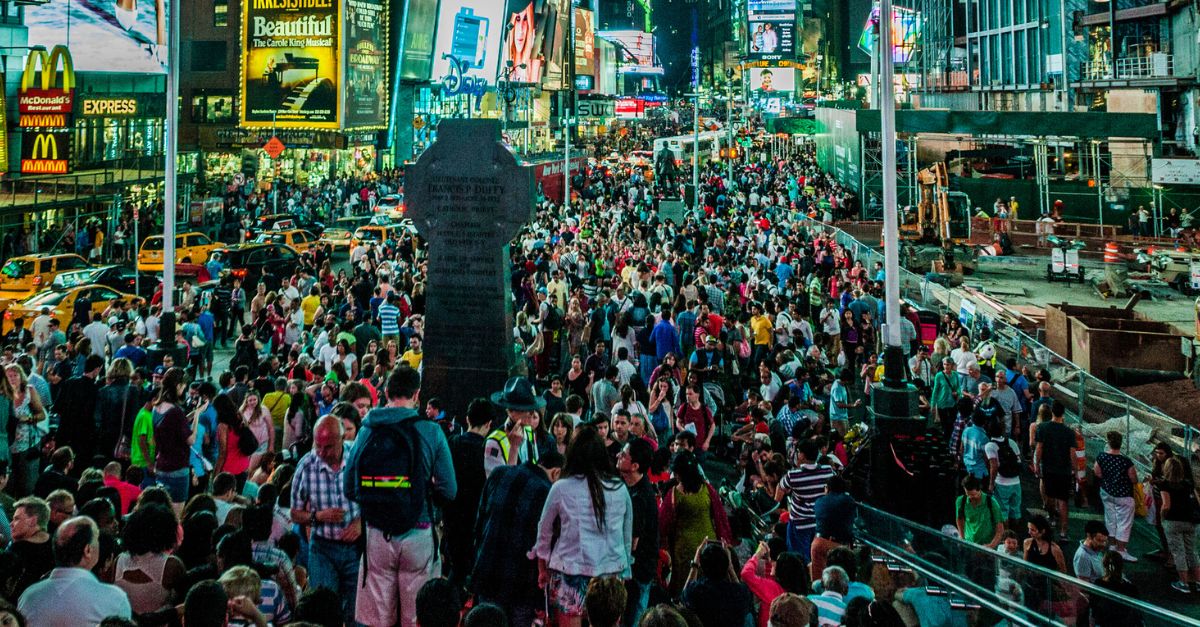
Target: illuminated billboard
column 469, row 33
column 906, row 33
column 366, row 75
column 771, row 30
column 585, row 42
column 780, row 81
column 635, row 51
column 554, row 26
column 290, row 66
column 535, row 41
column 124, row 36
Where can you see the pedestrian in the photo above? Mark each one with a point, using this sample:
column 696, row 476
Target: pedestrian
column 1055, row 460
column 1117, row 475
column 1179, row 514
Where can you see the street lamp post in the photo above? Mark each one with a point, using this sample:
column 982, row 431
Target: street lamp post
column 166, row 336
column 729, row 121
column 568, row 108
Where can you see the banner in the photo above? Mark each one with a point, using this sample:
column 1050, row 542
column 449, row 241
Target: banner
column 635, row 51
column 778, row 81
column 585, row 43
column 416, row 55
column 46, row 152
column 556, row 35
column 114, row 36
column 366, row 64
column 290, row 74
column 535, row 40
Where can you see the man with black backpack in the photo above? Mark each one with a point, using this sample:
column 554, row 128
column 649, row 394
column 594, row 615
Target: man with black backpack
column 1004, row 469
column 399, row 468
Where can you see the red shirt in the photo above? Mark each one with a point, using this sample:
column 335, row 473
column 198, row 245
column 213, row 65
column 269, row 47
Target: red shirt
column 128, row 492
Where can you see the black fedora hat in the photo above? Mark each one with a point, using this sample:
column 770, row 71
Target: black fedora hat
column 518, row 395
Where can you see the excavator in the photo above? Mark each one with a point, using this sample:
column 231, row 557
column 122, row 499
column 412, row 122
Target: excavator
column 941, row 224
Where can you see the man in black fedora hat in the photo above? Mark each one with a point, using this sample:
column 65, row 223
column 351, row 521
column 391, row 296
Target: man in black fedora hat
column 514, row 443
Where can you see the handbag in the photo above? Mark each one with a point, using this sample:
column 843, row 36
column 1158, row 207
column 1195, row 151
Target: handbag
column 1139, row 500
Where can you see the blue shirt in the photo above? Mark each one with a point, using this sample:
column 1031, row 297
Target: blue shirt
column 783, row 272
column 666, row 339
column 207, row 325
column 135, row 354
column 974, row 439
column 839, row 394
column 831, row 607
column 933, row 611
column 388, row 324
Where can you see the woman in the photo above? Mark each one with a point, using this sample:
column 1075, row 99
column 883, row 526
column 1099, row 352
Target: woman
column 561, row 430
column 258, row 419
column 146, row 570
column 1117, row 476
column 173, row 438
column 771, row 573
column 231, row 457
column 590, row 512
column 947, row 390
column 299, row 415
column 27, row 412
column 662, row 410
column 117, row 404
column 1107, row 613
column 669, row 369
column 941, row 350
column 1042, row 549
column 521, row 48
column 1179, row 515
column 346, row 357
column 690, row 513
column 629, row 403
column 245, row 349
column 851, row 340
column 576, row 379
column 623, row 336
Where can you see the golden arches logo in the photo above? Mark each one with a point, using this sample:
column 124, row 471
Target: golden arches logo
column 48, row 64
column 44, row 147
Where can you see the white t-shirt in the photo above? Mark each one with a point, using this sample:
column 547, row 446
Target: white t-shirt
column 963, row 360
column 992, row 450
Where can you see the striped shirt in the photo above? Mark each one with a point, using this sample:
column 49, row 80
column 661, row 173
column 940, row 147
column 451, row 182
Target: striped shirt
column 316, row 486
column 830, row 608
column 803, row 486
column 388, row 324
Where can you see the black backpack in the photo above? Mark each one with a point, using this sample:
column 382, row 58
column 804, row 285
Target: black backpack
column 392, row 478
column 554, row 318
column 1010, row 463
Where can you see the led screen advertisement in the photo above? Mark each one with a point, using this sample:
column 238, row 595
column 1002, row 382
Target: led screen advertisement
column 635, row 51
column 778, row 81
column 772, row 40
column 103, row 36
column 469, row 34
column 585, row 42
column 535, row 40
column 906, row 33
column 290, row 73
column 366, row 64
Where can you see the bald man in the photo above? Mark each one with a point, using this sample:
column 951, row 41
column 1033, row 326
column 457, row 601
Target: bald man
column 319, row 502
column 71, row 594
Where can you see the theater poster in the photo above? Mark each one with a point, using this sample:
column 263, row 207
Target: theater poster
column 366, row 64
column 290, row 65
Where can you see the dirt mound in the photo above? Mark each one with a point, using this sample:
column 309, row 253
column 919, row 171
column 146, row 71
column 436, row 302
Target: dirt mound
column 1177, row 399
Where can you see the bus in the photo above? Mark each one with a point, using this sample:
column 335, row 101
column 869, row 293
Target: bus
column 681, row 146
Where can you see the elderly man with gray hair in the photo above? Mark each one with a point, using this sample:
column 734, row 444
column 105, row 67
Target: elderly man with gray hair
column 831, row 604
column 71, row 594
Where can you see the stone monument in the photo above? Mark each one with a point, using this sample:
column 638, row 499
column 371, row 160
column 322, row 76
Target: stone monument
column 468, row 197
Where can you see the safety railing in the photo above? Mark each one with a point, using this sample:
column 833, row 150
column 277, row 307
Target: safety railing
column 1094, row 406
column 1155, row 65
column 992, row 586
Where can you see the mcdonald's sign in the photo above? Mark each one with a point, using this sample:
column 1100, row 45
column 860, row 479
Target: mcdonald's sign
column 46, row 152
column 40, row 93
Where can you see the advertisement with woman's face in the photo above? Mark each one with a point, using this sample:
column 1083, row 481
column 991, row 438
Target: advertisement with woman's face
column 522, row 41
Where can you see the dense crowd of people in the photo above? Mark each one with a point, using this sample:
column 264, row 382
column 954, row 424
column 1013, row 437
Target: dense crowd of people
column 670, row 450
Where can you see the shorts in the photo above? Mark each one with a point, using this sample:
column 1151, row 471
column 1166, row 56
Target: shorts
column 1059, row 487
column 1009, row 497
column 567, row 593
column 175, row 482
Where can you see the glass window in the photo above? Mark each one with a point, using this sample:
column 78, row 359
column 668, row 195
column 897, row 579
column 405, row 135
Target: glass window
column 17, row 269
column 208, row 56
column 153, row 243
column 220, row 12
column 200, row 240
column 70, row 262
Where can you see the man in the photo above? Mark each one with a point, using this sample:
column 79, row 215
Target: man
column 76, row 407
column 1055, row 456
column 509, row 512
column 466, row 452
column 513, row 443
column 1004, row 473
column 62, row 506
column 831, row 604
column 605, row 392
column 398, row 561
column 71, row 594
column 834, row 515
column 414, row 354
column 1089, row 557
column 718, row 598
column 55, row 476
column 632, row 463
column 96, row 332
column 18, row 336
column 132, row 351
column 126, row 491
column 31, row 541
column 764, row 334
column 978, row 516
column 975, row 437
column 1010, row 403
column 364, row 332
column 707, row 362
column 389, row 324
column 803, row 485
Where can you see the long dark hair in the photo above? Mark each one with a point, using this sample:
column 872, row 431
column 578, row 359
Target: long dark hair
column 587, row 457
column 227, row 413
column 169, row 393
column 687, row 470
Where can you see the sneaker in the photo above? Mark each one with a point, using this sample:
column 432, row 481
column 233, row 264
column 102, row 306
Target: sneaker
column 1179, row 586
column 1125, row 555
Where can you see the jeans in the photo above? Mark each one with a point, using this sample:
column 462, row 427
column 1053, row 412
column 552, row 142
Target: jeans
column 334, row 565
column 638, row 601
column 800, row 540
column 176, row 483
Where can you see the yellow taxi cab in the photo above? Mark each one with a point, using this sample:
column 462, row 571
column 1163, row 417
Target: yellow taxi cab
column 27, row 275
column 337, row 237
column 61, row 302
column 189, row 248
column 299, row 239
column 375, row 234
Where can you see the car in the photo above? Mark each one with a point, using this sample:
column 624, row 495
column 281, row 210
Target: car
column 350, row 223
column 27, row 275
column 299, row 239
column 282, row 222
column 391, row 205
column 61, row 302
column 189, row 248
column 379, row 233
column 255, row 262
column 120, row 278
column 337, row 237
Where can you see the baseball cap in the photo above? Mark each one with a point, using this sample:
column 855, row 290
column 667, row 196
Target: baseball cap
column 160, row 370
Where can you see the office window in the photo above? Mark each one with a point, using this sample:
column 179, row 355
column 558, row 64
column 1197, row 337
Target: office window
column 208, row 56
column 220, row 12
column 212, row 108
